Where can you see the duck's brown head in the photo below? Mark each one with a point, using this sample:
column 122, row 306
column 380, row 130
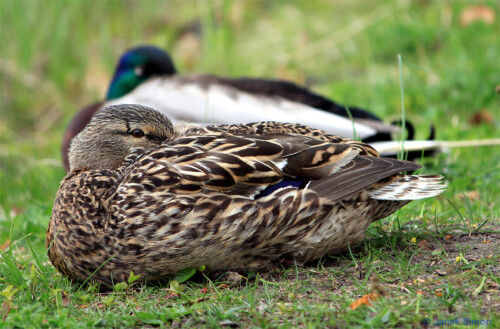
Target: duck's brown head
column 114, row 132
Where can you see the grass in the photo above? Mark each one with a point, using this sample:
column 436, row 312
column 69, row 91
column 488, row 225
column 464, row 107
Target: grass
column 434, row 259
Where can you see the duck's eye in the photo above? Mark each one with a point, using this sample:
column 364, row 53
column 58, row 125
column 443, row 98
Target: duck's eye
column 137, row 133
column 139, row 71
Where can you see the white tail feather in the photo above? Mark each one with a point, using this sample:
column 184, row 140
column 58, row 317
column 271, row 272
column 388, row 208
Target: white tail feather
column 411, row 187
column 393, row 147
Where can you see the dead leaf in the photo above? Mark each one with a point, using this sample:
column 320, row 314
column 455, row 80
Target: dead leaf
column 439, row 294
column 172, row 295
column 199, row 300
column 424, row 245
column 5, row 245
column 16, row 211
column 65, row 299
column 228, row 323
column 204, row 290
column 222, row 286
column 377, row 288
column 486, row 241
column 448, row 237
column 419, row 292
column 365, row 300
column 492, row 284
column 403, row 288
column 440, row 272
column 480, row 117
column 478, row 13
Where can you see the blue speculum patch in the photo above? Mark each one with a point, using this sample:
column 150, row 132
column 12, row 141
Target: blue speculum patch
column 284, row 183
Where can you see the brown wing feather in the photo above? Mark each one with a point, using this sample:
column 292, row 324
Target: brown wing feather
column 216, row 162
column 266, row 128
column 360, row 173
column 308, row 158
column 227, row 163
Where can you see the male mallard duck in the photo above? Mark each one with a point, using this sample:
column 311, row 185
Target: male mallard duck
column 146, row 75
column 149, row 197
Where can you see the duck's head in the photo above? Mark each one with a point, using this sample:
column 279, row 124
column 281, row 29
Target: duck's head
column 136, row 66
column 114, row 132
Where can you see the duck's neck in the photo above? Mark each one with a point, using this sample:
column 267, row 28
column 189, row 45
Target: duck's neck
column 122, row 84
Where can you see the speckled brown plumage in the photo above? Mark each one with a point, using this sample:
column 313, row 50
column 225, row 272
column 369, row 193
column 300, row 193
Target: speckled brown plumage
column 193, row 196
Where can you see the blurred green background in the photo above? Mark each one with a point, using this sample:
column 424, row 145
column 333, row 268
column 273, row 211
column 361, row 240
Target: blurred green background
column 56, row 56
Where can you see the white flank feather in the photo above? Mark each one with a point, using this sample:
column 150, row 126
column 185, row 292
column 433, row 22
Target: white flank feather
column 411, row 187
column 220, row 104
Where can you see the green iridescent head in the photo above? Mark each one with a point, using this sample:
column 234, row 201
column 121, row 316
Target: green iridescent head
column 136, row 66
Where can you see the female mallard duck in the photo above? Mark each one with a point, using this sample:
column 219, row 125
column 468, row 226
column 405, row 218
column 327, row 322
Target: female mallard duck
column 146, row 75
column 149, row 197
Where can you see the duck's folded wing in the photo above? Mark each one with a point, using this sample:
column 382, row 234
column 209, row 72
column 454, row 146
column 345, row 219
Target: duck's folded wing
column 232, row 164
column 361, row 172
column 213, row 163
column 247, row 165
column 283, row 133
